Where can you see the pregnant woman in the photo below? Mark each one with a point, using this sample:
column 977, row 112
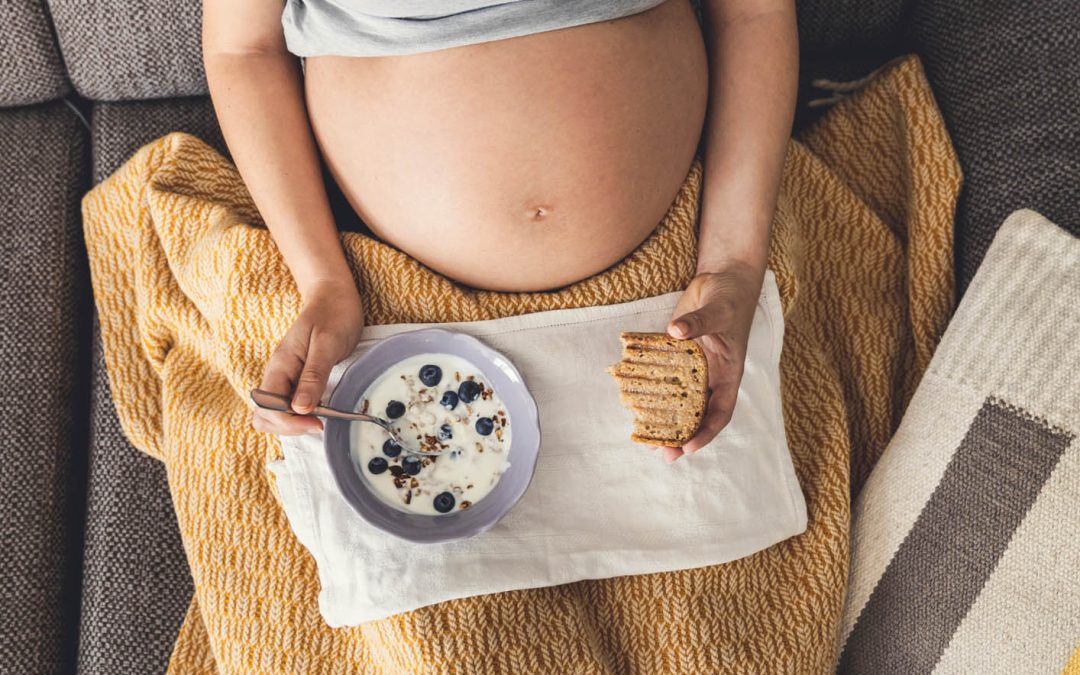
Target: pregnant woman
column 513, row 145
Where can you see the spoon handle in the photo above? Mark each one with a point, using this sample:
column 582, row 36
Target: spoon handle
column 280, row 403
column 323, row 411
column 271, row 401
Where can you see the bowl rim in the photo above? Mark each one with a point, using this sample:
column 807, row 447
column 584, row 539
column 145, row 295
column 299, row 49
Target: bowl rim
column 345, row 484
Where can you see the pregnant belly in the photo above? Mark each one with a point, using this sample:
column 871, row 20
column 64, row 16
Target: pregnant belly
column 521, row 164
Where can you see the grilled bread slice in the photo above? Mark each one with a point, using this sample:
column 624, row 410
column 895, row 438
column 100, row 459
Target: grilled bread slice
column 663, row 381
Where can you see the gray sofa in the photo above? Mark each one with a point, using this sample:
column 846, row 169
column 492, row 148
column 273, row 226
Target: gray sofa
column 94, row 574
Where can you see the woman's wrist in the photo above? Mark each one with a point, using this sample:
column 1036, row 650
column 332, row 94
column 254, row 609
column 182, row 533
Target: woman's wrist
column 339, row 282
column 317, row 262
column 728, row 246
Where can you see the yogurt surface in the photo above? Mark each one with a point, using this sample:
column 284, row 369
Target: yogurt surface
column 436, row 402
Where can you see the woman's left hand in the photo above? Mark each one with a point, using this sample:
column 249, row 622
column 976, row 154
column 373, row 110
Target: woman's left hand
column 717, row 310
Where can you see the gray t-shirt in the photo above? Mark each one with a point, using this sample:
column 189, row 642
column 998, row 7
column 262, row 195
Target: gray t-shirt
column 395, row 27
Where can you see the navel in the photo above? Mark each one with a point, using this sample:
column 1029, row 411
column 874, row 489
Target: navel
column 538, row 212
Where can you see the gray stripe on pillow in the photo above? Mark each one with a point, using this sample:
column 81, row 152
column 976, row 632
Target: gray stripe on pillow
column 1026, row 620
column 935, row 576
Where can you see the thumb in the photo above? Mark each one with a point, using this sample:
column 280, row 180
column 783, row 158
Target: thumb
column 312, row 382
column 690, row 325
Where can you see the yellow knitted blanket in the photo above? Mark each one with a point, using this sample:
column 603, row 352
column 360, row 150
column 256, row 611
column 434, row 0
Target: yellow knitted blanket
column 193, row 296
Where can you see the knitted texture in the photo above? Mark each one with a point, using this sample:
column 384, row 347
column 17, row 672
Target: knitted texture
column 1073, row 666
column 131, row 542
column 193, row 296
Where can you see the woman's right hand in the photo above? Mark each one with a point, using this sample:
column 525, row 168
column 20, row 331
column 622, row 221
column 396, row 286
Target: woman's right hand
column 326, row 331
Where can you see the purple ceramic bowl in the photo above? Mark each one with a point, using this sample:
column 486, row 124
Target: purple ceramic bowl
column 508, row 384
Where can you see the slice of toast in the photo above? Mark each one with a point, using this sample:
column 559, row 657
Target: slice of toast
column 663, row 381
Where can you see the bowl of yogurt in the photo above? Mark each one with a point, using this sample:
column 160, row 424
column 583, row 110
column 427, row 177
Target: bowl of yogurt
column 469, row 424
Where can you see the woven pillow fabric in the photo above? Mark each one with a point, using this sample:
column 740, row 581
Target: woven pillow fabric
column 965, row 547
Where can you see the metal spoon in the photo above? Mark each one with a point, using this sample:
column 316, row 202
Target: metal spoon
column 271, row 401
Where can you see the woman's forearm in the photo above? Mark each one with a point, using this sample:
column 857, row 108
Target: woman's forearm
column 753, row 64
column 259, row 101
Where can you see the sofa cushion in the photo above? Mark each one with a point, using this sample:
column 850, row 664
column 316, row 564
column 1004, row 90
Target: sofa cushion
column 832, row 25
column 32, row 71
column 136, row 583
column 1005, row 77
column 44, row 296
column 116, row 50
column 119, row 129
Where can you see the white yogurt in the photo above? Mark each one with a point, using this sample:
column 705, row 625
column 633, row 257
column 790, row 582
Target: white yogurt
column 471, row 463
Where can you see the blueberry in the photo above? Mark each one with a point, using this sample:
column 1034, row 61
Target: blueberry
column 484, row 426
column 390, row 448
column 444, row 433
column 468, row 391
column 444, row 502
column 411, row 464
column 377, row 465
column 449, row 400
column 395, row 409
column 430, row 375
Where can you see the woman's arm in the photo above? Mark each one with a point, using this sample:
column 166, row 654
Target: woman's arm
column 754, row 67
column 258, row 95
column 753, row 76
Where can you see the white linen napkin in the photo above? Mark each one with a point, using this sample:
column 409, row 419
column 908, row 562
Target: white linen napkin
column 599, row 505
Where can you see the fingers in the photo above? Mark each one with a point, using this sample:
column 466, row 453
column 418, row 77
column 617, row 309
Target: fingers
column 316, row 369
column 688, row 326
column 705, row 320
column 717, row 415
column 283, row 368
column 670, row 454
column 284, row 424
column 282, row 372
column 326, row 329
